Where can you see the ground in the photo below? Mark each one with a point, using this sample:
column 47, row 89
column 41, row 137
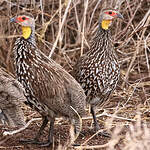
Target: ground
column 61, row 134
column 127, row 113
column 121, row 125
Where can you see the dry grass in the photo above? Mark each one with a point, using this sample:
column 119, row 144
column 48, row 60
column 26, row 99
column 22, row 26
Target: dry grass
column 64, row 29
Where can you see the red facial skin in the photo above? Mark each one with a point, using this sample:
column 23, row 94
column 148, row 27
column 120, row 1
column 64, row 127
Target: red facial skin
column 111, row 13
column 21, row 19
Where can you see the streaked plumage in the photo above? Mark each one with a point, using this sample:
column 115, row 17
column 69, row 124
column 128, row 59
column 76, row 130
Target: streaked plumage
column 49, row 88
column 98, row 70
column 11, row 95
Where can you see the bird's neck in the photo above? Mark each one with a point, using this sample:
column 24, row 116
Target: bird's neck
column 101, row 42
column 105, row 24
column 28, row 33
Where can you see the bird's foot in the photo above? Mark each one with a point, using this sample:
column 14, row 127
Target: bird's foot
column 45, row 144
column 35, row 141
column 103, row 133
column 29, row 141
column 75, row 144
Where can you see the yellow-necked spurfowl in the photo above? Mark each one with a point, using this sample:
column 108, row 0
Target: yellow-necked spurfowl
column 11, row 95
column 49, row 89
column 98, row 70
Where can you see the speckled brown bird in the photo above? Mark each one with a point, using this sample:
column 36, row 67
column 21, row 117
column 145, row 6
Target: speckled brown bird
column 49, row 89
column 11, row 95
column 98, row 70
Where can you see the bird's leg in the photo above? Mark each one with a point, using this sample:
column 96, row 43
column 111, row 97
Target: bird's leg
column 50, row 135
column 96, row 125
column 36, row 139
column 77, row 131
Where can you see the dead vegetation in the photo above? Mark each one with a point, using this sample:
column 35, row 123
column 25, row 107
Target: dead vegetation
column 63, row 30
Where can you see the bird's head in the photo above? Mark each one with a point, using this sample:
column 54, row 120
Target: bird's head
column 107, row 16
column 27, row 23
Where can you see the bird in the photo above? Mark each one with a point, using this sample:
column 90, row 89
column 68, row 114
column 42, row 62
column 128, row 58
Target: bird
column 98, row 70
column 49, row 89
column 11, row 98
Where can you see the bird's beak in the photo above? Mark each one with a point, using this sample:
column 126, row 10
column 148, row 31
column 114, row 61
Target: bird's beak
column 119, row 16
column 13, row 19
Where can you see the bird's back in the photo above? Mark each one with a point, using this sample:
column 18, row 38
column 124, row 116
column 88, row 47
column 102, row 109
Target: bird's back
column 11, row 95
column 47, row 84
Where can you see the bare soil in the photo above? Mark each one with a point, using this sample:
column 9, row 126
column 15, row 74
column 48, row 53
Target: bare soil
column 132, row 43
column 62, row 128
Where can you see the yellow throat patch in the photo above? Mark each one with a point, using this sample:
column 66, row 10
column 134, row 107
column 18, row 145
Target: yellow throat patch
column 26, row 32
column 105, row 24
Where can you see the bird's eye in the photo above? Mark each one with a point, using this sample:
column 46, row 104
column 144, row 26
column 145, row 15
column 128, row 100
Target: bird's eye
column 23, row 18
column 110, row 12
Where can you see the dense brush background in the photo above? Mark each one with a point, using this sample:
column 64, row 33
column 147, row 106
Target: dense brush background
column 63, row 30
